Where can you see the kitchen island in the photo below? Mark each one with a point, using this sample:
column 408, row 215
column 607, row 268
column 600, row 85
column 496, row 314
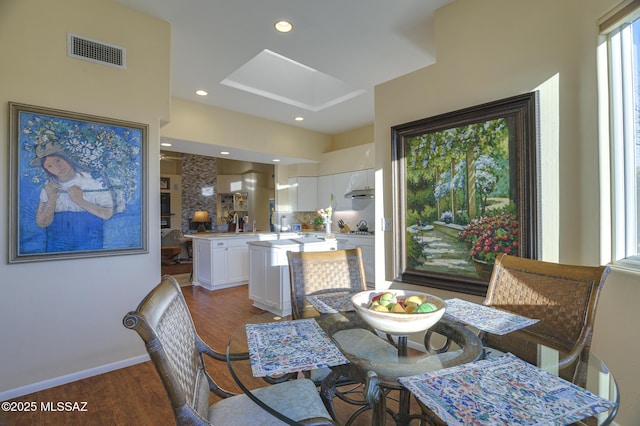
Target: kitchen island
column 221, row 260
column 269, row 285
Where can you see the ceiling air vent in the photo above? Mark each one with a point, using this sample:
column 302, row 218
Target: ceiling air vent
column 96, row 51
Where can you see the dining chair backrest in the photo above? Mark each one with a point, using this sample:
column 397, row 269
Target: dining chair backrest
column 313, row 273
column 562, row 297
column 164, row 323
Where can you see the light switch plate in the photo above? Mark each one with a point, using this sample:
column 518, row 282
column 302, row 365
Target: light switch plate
column 386, row 224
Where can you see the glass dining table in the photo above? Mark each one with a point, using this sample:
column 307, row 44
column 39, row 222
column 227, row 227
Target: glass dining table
column 406, row 364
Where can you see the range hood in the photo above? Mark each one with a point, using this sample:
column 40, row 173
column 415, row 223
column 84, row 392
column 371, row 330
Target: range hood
column 360, row 193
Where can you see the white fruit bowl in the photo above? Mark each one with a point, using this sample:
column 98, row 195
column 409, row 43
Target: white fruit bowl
column 397, row 323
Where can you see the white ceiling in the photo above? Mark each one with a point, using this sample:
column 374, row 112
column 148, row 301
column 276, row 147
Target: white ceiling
column 358, row 43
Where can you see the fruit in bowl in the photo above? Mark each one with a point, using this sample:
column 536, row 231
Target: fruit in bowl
column 388, row 302
column 398, row 312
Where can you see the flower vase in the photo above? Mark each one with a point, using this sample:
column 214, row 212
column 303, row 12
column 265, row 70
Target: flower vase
column 328, row 227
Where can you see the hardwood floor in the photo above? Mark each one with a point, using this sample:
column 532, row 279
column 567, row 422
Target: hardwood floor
column 135, row 395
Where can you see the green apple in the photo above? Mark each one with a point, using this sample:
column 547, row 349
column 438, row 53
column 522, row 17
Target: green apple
column 425, row 308
column 388, row 298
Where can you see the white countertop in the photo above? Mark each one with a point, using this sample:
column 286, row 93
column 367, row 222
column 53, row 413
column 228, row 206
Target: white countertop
column 291, row 242
column 210, row 235
column 273, row 235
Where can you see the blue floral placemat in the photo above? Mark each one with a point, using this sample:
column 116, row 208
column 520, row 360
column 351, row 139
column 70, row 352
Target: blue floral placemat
column 332, row 303
column 485, row 318
column 503, row 391
column 289, row 346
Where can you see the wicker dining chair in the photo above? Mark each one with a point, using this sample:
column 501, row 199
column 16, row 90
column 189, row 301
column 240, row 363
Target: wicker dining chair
column 324, row 272
column 562, row 297
column 320, row 272
column 165, row 325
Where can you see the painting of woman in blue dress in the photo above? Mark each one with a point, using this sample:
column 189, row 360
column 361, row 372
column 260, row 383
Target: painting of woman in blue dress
column 73, row 205
column 80, row 185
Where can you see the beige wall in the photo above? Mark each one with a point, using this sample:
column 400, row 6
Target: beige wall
column 60, row 318
column 352, row 138
column 494, row 49
column 200, row 123
column 486, row 51
column 359, row 157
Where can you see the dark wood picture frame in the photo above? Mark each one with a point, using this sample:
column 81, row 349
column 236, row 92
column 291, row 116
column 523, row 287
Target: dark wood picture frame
column 450, row 219
column 99, row 185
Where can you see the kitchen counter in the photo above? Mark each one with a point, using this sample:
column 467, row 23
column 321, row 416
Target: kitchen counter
column 221, row 259
column 289, row 242
column 260, row 235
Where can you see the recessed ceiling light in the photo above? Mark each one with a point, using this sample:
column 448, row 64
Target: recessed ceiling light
column 283, row 26
column 202, row 92
column 224, row 152
column 276, row 160
column 165, row 144
column 299, row 118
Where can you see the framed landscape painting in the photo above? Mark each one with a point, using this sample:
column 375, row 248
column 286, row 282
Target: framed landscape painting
column 465, row 190
column 77, row 185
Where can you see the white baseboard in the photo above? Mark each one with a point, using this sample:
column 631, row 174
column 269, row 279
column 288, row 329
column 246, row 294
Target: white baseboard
column 68, row 378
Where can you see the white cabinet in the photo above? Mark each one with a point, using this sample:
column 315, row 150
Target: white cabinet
column 303, row 193
column 269, row 285
column 267, row 277
column 325, row 190
column 238, row 259
column 201, row 262
column 361, row 179
column 364, row 179
column 221, row 262
column 358, row 180
column 341, row 185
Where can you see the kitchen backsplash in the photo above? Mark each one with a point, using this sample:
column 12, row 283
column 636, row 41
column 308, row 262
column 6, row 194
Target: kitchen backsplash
column 363, row 210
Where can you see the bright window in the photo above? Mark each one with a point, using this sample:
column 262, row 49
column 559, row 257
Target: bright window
column 624, row 108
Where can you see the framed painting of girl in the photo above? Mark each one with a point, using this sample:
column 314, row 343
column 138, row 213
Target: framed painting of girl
column 78, row 185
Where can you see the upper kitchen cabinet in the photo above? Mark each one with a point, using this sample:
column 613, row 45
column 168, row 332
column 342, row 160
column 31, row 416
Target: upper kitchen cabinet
column 358, row 180
column 303, row 193
column 340, row 184
column 365, row 179
column 325, row 190
column 361, row 180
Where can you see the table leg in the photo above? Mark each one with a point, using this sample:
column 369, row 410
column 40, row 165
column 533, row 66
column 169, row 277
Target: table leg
column 376, row 399
column 403, row 416
column 328, row 392
column 402, row 345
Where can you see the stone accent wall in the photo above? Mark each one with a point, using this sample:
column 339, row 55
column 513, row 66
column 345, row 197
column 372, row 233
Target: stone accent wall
column 199, row 175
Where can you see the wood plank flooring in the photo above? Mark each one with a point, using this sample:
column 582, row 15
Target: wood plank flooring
column 135, row 395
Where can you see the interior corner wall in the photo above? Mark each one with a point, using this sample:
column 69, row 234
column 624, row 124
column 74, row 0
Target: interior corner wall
column 62, row 320
column 495, row 49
